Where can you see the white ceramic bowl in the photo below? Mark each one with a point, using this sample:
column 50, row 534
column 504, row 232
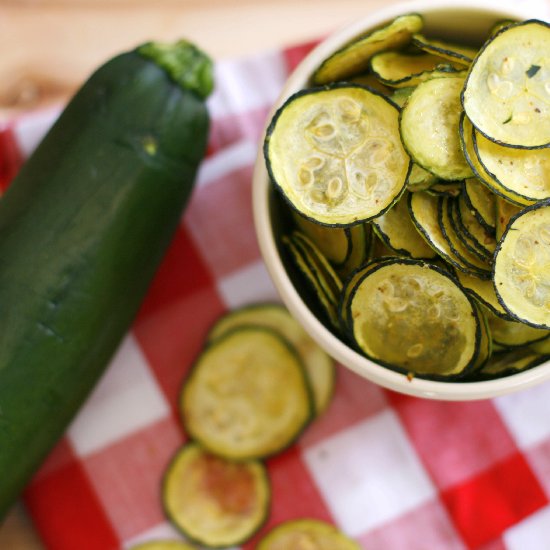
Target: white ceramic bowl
column 449, row 19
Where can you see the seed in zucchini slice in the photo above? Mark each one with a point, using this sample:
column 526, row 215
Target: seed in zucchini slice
column 306, row 534
column 247, row 395
column 336, row 155
column 319, row 366
column 354, row 57
column 429, row 124
column 521, row 269
column 506, row 94
column 213, row 501
column 414, row 317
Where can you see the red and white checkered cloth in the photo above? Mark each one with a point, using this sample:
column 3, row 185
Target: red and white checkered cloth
column 394, row 472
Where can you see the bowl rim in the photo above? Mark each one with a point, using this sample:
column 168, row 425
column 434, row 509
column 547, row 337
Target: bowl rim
column 341, row 352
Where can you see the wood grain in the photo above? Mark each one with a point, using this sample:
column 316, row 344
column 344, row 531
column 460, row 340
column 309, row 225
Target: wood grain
column 54, row 45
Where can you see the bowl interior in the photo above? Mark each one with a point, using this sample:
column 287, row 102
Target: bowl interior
column 453, row 21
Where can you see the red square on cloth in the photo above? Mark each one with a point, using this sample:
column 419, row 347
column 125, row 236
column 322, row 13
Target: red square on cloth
column 179, row 308
column 454, row 440
column 294, row 493
column 127, row 477
column 354, row 399
column 483, row 506
column 66, row 508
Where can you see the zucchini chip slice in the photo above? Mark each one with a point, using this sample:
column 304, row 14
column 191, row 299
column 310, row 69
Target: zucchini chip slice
column 323, row 294
column 462, row 55
column 396, row 229
column 413, row 317
column 333, row 242
column 354, row 57
column 511, row 362
column 247, row 395
column 507, row 91
column 213, row 501
column 521, row 273
column 429, row 125
column 524, row 172
column 471, row 262
column 424, row 211
column 483, row 292
column 319, row 365
column 306, row 534
column 400, row 70
column 508, row 333
column 466, row 132
column 336, row 155
column 482, row 239
column 400, row 95
column 481, row 202
column 505, row 211
column 420, row 179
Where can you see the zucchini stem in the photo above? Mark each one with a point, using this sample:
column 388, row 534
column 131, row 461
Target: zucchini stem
column 186, row 65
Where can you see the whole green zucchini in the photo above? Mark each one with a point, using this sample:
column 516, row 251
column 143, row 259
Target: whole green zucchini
column 83, row 228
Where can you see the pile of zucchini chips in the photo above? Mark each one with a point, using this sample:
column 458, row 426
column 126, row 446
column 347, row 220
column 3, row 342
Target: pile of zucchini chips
column 418, row 177
column 254, row 388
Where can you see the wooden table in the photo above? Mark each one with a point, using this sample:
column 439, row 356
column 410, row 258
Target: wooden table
column 50, row 46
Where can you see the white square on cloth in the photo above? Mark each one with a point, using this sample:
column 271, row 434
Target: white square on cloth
column 526, row 414
column 126, row 398
column 369, row 474
column 532, row 533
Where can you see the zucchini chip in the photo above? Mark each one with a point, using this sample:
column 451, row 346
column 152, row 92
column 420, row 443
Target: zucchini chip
column 424, row 212
column 336, row 155
column 482, row 239
column 507, row 91
column 521, row 274
column 508, row 333
column 401, row 70
column 483, row 292
column 429, row 125
column 462, row 55
column 396, row 229
column 354, row 57
column 505, row 211
column 247, row 395
column 413, row 317
column 507, row 363
column 212, row 501
column 306, row 534
column 333, row 242
column 471, row 262
column 420, row 179
column 481, row 202
column 319, row 365
column 323, row 295
column 524, row 172
column 466, row 133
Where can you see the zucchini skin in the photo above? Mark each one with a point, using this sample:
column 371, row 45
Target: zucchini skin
column 83, row 228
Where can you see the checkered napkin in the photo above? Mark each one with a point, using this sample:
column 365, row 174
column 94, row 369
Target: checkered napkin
column 392, row 471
